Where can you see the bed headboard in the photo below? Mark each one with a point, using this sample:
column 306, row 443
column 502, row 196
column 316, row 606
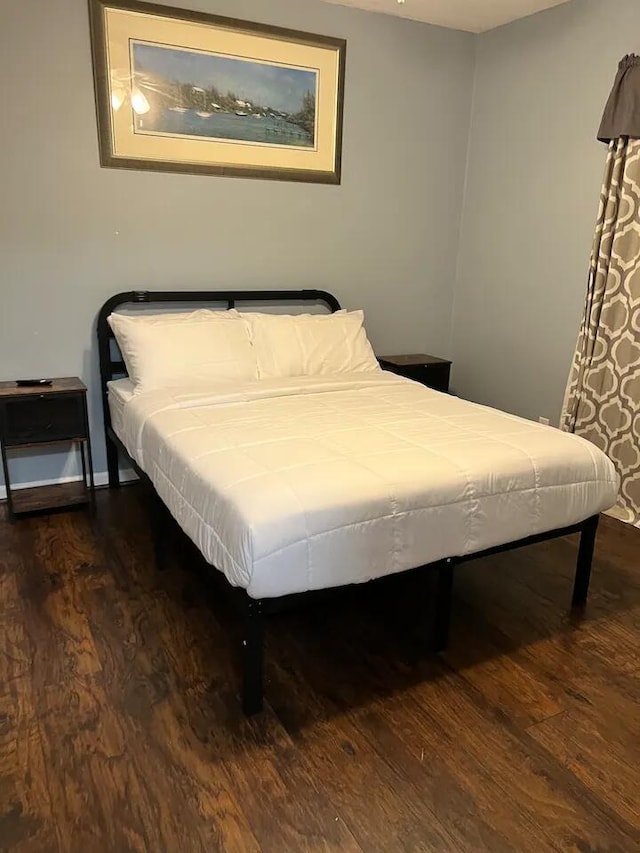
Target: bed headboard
column 112, row 365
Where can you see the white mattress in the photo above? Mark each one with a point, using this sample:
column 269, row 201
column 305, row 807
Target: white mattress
column 120, row 391
column 299, row 484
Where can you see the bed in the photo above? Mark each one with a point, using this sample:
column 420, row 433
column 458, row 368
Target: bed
column 294, row 485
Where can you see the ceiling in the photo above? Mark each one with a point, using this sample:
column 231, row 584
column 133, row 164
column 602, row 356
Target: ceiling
column 475, row 16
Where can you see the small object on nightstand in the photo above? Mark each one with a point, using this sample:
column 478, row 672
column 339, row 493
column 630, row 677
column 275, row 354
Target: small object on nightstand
column 428, row 369
column 32, row 383
column 37, row 413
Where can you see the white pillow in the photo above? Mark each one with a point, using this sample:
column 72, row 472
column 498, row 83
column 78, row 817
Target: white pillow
column 310, row 344
column 163, row 350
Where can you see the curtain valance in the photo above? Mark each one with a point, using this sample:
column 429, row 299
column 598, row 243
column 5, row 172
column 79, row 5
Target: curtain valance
column 622, row 113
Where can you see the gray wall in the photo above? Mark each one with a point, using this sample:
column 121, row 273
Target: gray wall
column 71, row 233
column 531, row 200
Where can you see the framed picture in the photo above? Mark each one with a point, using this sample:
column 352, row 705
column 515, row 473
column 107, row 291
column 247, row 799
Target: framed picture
column 182, row 91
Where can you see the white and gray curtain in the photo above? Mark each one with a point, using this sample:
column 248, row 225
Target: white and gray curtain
column 602, row 400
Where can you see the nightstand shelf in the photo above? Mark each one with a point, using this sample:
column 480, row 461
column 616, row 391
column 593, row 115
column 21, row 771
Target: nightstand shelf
column 42, row 416
column 429, row 370
column 41, row 498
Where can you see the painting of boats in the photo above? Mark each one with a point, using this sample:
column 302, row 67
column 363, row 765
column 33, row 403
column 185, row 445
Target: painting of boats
column 198, row 94
column 186, row 91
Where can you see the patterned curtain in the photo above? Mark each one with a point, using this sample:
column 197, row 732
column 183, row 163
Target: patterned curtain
column 602, row 400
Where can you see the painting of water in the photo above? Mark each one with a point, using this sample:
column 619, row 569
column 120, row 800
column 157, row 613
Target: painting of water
column 186, row 91
column 196, row 94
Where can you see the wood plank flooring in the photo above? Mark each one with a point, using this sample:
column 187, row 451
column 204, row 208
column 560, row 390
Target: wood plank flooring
column 121, row 730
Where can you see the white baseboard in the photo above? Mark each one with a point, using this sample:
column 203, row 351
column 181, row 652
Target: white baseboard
column 101, row 478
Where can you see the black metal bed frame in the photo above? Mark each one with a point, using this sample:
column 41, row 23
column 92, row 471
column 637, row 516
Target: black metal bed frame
column 255, row 610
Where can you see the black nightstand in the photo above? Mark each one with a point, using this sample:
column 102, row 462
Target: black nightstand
column 41, row 416
column 427, row 369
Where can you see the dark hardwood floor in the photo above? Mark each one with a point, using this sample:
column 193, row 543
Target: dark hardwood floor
column 120, row 727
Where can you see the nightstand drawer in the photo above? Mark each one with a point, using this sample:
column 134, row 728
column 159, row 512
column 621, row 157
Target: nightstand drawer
column 435, row 376
column 429, row 370
column 43, row 418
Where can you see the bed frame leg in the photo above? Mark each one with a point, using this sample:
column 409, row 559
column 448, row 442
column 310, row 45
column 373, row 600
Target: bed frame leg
column 159, row 530
column 252, row 657
column 112, row 464
column 443, row 604
column 585, row 560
